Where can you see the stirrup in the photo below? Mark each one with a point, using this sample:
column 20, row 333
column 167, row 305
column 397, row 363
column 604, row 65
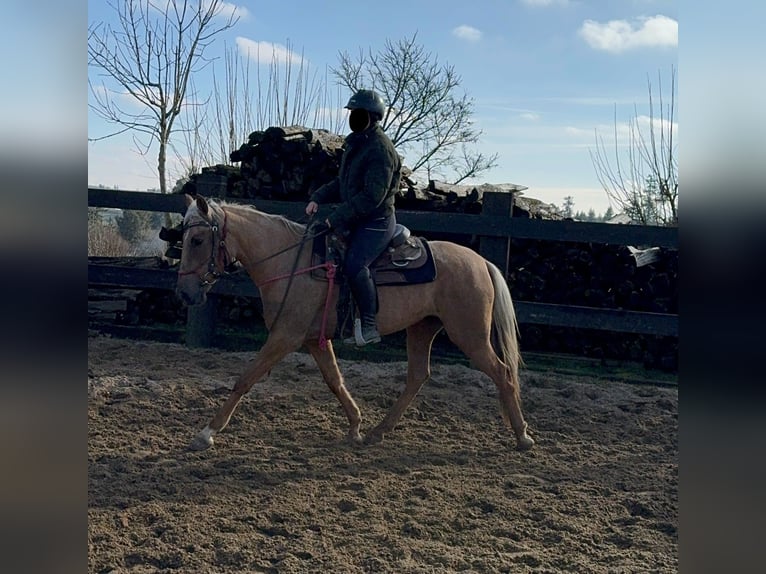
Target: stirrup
column 358, row 338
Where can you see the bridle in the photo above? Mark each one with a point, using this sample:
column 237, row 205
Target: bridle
column 212, row 275
column 212, row 267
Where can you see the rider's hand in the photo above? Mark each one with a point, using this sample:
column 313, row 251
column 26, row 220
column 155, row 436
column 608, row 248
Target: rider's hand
column 312, row 208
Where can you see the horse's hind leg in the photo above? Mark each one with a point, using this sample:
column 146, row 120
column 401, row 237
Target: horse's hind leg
column 510, row 408
column 273, row 351
column 504, row 376
column 329, row 368
column 507, row 384
column 420, row 336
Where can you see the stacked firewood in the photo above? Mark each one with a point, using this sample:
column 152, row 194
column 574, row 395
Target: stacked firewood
column 281, row 163
column 595, row 275
column 592, row 275
column 289, row 163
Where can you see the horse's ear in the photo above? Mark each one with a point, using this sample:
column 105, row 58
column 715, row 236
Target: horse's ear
column 202, row 205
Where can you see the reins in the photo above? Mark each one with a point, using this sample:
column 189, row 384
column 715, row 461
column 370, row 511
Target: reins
column 290, row 277
column 222, row 247
column 216, row 275
column 330, row 268
column 328, row 265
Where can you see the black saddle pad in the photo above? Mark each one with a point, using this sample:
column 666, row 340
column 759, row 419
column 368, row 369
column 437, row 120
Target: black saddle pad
column 409, row 263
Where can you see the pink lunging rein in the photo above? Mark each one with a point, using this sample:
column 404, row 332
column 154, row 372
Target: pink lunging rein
column 330, row 268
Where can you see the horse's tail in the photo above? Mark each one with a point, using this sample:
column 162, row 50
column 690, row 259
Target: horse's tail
column 505, row 329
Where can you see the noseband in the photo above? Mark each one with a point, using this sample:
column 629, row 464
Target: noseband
column 212, row 274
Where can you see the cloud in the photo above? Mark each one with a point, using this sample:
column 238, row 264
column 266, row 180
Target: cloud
column 531, row 116
column 544, row 2
column 594, row 100
column 467, row 33
column 577, row 132
column 626, row 133
column 232, row 10
column 620, row 35
column 645, row 124
column 266, row 52
column 224, row 10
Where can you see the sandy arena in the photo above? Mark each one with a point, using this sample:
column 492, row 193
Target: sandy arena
column 282, row 492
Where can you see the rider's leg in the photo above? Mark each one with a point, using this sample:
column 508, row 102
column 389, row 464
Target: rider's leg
column 367, row 242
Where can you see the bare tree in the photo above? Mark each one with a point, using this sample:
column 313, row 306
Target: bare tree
column 288, row 92
column 426, row 118
column 152, row 55
column 642, row 179
column 104, row 239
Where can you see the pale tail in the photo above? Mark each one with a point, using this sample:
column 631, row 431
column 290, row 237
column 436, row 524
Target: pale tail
column 504, row 326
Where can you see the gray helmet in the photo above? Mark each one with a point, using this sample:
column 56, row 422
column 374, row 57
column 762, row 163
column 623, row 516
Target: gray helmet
column 367, row 100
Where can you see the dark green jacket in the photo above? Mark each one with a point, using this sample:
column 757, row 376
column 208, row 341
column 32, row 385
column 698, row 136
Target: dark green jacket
column 367, row 182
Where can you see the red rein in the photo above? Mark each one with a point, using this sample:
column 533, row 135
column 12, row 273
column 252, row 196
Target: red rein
column 331, row 268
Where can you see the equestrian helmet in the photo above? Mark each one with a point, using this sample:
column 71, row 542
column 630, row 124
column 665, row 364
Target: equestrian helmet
column 367, row 100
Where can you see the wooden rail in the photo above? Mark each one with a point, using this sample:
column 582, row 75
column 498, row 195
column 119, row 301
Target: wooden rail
column 494, row 221
column 494, row 226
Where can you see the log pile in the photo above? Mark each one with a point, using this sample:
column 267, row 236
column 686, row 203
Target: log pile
column 289, row 163
column 284, row 164
column 592, row 275
column 595, row 275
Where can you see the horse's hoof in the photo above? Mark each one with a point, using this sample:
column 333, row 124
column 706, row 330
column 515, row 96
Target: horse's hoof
column 201, row 442
column 354, row 438
column 525, row 443
column 373, row 438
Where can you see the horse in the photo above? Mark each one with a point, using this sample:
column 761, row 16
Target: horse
column 469, row 299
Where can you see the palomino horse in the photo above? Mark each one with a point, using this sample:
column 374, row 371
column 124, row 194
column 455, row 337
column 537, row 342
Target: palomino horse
column 469, row 299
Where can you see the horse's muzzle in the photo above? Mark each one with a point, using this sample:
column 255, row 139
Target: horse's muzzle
column 191, row 295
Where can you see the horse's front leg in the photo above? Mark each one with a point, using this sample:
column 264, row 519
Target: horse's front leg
column 328, row 366
column 273, row 351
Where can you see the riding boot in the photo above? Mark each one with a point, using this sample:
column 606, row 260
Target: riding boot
column 366, row 297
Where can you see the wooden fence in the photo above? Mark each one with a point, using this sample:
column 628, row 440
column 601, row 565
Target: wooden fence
column 494, row 226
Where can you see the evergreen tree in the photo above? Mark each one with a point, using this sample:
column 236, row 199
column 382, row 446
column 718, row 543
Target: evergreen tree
column 134, row 225
column 568, row 209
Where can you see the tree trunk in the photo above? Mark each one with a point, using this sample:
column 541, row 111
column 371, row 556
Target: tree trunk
column 161, row 159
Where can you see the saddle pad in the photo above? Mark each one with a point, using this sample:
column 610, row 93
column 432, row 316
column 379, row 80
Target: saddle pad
column 412, row 262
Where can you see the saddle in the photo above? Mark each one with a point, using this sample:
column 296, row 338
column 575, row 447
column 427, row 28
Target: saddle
column 407, row 260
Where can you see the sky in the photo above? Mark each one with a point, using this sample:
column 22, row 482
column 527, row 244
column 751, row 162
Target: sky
column 545, row 75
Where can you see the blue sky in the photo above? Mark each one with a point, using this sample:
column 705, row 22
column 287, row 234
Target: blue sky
column 543, row 74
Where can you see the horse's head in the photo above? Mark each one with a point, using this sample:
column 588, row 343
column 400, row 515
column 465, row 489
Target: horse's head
column 203, row 250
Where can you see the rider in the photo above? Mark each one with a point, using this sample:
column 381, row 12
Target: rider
column 365, row 187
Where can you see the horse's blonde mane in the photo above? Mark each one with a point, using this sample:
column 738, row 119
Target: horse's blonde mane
column 293, row 227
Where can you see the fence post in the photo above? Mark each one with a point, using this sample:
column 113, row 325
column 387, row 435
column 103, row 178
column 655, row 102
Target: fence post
column 200, row 323
column 496, row 249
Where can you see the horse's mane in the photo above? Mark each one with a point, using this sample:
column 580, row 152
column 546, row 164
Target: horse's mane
column 295, row 228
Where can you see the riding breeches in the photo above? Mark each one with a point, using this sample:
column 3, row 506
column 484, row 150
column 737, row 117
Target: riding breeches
column 366, row 242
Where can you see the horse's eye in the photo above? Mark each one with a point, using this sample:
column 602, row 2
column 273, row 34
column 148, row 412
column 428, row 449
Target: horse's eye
column 196, row 241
